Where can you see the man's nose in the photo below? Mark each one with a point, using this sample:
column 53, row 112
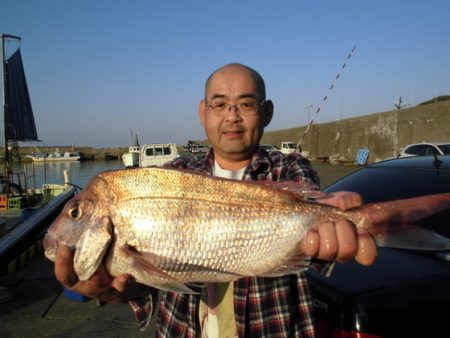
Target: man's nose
column 233, row 112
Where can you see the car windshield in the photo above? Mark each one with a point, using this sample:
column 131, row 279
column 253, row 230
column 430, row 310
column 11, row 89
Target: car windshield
column 445, row 148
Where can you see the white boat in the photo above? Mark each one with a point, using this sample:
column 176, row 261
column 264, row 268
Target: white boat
column 56, row 156
column 131, row 158
column 25, row 211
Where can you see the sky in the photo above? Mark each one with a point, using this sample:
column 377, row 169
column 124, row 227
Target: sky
column 98, row 70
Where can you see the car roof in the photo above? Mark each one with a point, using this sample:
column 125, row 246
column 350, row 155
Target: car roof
column 429, row 143
column 422, row 162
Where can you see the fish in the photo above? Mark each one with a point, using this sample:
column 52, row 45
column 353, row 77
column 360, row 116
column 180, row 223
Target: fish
column 170, row 228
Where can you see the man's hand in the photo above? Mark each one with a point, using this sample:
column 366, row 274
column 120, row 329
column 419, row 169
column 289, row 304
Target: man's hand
column 340, row 241
column 101, row 285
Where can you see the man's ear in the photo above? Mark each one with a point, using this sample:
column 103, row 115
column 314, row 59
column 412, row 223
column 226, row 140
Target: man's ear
column 267, row 113
column 202, row 112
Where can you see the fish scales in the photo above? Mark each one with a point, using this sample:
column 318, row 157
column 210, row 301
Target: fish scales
column 154, row 182
column 190, row 234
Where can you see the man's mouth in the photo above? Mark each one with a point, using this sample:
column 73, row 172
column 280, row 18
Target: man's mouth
column 233, row 132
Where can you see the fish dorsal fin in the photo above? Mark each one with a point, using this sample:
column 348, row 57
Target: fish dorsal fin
column 303, row 189
column 90, row 249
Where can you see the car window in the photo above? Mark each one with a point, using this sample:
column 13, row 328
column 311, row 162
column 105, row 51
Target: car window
column 430, row 150
column 418, row 150
column 445, row 148
column 167, row 150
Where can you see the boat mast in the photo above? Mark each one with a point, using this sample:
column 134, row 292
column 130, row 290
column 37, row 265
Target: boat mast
column 4, row 76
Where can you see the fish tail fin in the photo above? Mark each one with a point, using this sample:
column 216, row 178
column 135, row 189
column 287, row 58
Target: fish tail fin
column 392, row 223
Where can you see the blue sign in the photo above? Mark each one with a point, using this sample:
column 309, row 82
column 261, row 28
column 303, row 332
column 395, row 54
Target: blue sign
column 362, row 156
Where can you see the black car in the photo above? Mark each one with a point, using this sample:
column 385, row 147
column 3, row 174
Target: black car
column 405, row 293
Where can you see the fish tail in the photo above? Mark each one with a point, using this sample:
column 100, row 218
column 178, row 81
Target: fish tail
column 392, row 223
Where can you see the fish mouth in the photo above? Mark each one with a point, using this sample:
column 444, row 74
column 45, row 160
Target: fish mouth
column 50, row 245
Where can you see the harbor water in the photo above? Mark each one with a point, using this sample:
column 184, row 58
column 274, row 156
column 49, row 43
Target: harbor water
column 53, row 172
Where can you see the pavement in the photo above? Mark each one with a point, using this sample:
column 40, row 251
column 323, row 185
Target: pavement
column 33, row 303
column 39, row 308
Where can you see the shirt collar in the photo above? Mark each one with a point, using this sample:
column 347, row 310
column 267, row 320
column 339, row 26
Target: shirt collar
column 260, row 161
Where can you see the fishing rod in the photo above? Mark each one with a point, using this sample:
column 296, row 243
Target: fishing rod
column 300, row 142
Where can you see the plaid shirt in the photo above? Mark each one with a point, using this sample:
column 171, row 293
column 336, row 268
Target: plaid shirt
column 264, row 307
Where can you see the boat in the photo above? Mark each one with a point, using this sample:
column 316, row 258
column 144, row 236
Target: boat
column 131, row 158
column 55, row 156
column 25, row 211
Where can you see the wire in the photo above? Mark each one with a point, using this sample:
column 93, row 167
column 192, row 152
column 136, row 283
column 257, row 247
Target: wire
column 326, row 96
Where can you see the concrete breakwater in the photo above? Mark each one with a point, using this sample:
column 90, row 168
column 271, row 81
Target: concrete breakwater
column 384, row 134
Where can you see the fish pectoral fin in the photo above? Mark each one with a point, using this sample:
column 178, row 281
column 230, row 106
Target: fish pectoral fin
column 141, row 262
column 302, row 189
column 90, row 249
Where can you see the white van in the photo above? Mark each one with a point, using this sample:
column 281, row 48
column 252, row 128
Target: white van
column 288, row 147
column 157, row 154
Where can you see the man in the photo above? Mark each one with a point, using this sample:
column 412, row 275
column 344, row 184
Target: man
column 234, row 114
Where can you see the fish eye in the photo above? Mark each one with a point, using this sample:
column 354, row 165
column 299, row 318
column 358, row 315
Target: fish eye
column 75, row 213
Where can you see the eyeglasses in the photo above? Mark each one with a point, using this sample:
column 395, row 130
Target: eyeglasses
column 244, row 108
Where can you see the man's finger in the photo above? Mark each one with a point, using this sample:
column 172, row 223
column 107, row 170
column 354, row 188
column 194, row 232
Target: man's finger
column 121, row 282
column 64, row 267
column 343, row 200
column 367, row 248
column 328, row 247
column 310, row 244
column 347, row 241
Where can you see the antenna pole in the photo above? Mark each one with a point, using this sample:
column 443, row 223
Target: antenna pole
column 300, row 142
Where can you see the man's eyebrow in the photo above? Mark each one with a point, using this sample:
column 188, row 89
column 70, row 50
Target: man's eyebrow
column 248, row 95
column 218, row 96
column 242, row 96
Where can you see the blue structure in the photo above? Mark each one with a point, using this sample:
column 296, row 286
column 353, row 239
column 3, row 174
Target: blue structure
column 362, row 156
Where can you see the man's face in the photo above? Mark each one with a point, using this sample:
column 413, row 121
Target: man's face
column 233, row 135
